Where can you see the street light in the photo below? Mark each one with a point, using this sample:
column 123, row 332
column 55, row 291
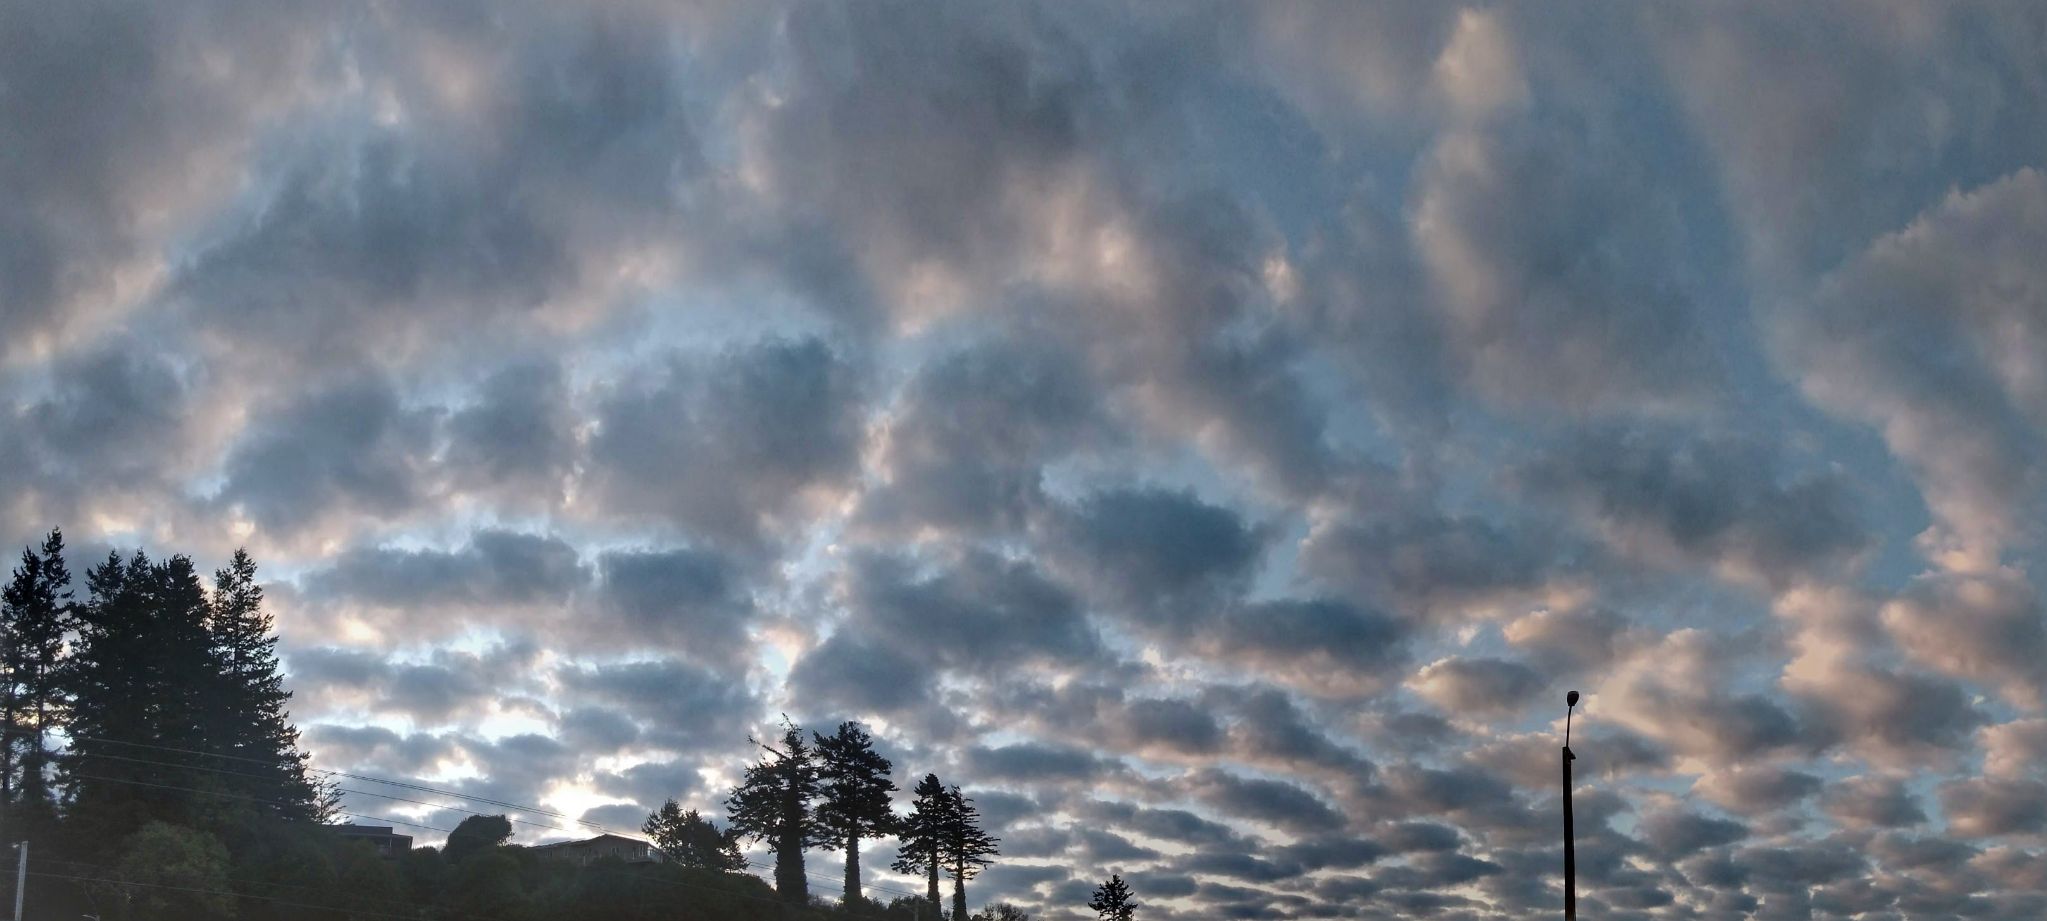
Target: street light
column 1570, row 848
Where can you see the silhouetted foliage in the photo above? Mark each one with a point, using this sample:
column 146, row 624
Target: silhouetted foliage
column 1112, row 901
column 775, row 802
column 1002, row 911
column 923, row 833
column 248, row 724
column 139, row 675
column 181, row 790
column 477, row 834
column 855, row 783
column 690, row 840
column 964, row 846
column 35, row 614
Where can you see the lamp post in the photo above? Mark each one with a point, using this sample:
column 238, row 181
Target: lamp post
column 1570, row 834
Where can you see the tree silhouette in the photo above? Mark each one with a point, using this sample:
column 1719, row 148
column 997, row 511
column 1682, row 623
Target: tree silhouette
column 774, row 803
column 140, row 671
column 856, row 789
column 964, row 847
column 691, row 840
column 35, row 613
column 1112, row 901
column 247, row 718
column 923, row 834
column 475, row 835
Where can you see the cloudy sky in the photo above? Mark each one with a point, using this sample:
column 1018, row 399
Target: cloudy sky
column 1215, row 436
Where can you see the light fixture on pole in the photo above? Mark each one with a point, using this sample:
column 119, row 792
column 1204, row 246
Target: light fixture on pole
column 1570, row 848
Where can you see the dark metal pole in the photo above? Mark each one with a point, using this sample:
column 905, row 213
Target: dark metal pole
column 1570, row 851
column 1570, row 831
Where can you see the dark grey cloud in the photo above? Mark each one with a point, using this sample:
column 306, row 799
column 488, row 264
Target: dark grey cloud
column 1757, row 790
column 1872, row 802
column 966, row 443
column 167, row 124
column 1478, row 687
column 974, row 612
column 857, row 674
column 519, row 433
column 729, row 447
column 1677, row 833
column 1425, row 565
column 353, row 447
column 686, row 600
column 1272, row 802
column 1318, row 646
column 678, row 705
column 466, row 220
column 1037, row 762
column 1161, row 549
column 1717, row 500
column 1986, row 806
column 494, row 568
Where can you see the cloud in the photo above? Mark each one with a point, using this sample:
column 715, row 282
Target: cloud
column 352, row 448
column 685, row 599
column 495, row 568
column 732, row 446
column 1915, row 338
column 1193, row 430
column 965, row 445
column 1758, row 790
column 1986, row 628
column 1477, row 687
column 1872, row 802
column 1718, row 501
column 1161, row 550
column 1272, row 802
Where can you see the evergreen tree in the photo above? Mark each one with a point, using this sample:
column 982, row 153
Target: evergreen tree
column 37, row 615
column 775, row 803
column 138, row 680
column 477, row 834
column 856, row 789
column 922, row 833
column 248, row 724
column 963, row 846
column 690, row 840
column 1112, row 900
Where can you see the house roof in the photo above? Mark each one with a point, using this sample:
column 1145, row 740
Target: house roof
column 607, row 835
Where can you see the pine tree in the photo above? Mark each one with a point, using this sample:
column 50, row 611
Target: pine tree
column 922, row 833
column 138, row 681
column 37, row 615
column 964, row 847
column 691, row 840
column 856, row 789
column 1112, row 900
column 775, row 803
column 248, row 725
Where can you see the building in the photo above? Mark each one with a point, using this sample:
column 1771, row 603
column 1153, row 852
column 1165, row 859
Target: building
column 584, row 852
column 387, row 842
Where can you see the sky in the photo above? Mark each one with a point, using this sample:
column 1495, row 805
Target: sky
column 1214, row 436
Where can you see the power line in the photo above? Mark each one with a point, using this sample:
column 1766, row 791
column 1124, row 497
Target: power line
column 252, row 799
column 334, row 773
column 400, row 799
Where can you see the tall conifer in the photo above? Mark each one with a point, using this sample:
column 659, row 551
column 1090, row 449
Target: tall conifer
column 856, row 789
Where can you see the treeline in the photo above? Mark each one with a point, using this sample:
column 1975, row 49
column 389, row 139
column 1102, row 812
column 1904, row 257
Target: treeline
column 830, row 793
column 179, row 774
column 148, row 759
